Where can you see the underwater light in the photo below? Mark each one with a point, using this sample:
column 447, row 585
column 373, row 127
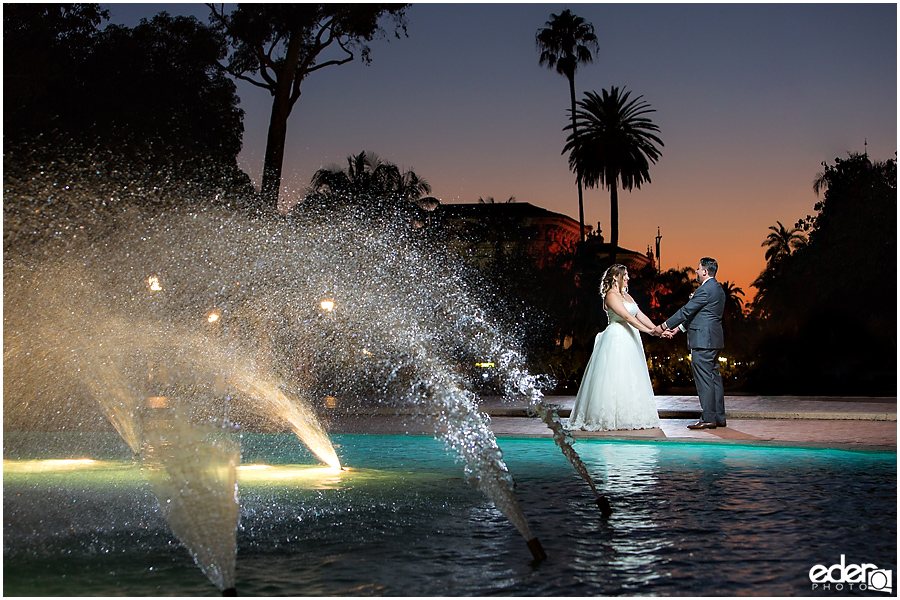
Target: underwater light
column 37, row 466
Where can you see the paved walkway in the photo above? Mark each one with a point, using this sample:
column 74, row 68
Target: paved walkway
column 850, row 423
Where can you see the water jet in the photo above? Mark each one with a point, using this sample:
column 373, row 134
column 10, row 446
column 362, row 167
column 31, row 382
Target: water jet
column 184, row 328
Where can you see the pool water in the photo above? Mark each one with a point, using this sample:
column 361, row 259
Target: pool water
column 692, row 519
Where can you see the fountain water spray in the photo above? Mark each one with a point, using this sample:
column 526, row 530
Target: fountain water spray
column 192, row 471
column 527, row 386
column 135, row 299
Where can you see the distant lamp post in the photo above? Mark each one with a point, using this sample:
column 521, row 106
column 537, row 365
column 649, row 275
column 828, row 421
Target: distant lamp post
column 153, row 282
column 327, row 305
column 213, row 317
column 658, row 239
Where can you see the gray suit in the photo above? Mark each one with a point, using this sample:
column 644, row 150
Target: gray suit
column 702, row 318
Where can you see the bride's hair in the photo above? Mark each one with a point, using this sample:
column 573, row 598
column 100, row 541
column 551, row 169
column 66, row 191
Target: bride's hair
column 610, row 277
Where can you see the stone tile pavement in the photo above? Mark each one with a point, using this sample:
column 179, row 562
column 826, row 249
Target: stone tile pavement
column 851, row 423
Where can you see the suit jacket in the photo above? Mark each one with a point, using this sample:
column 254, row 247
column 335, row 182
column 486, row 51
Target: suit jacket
column 702, row 316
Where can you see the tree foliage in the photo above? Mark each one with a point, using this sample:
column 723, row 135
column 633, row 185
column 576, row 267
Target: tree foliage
column 367, row 175
column 43, row 45
column 153, row 93
column 277, row 46
column 830, row 310
column 97, row 121
column 565, row 42
column 615, row 142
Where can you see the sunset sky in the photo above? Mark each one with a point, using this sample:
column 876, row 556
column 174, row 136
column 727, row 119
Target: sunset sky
column 750, row 99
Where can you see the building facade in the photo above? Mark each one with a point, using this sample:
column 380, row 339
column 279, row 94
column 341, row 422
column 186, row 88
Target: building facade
column 487, row 230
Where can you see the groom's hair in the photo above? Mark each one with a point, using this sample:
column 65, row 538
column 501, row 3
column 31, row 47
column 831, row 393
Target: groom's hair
column 710, row 265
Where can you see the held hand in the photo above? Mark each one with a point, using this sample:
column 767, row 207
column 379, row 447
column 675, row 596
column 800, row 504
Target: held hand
column 657, row 331
column 669, row 333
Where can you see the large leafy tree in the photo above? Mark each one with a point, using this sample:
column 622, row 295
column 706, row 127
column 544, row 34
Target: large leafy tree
column 613, row 141
column 153, row 93
column 97, row 120
column 277, row 46
column 160, row 83
column 565, row 42
column 829, row 314
column 43, row 45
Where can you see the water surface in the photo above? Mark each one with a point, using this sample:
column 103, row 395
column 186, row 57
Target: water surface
column 690, row 519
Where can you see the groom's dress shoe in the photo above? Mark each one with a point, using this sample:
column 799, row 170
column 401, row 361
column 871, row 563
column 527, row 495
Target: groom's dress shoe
column 722, row 424
column 702, row 425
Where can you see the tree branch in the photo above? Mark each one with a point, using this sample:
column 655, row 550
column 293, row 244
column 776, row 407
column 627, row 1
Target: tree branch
column 265, row 63
column 328, row 63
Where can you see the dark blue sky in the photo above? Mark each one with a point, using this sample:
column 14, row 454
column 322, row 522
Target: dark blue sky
column 750, row 99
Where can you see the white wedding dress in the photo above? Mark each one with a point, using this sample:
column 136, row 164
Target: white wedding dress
column 616, row 392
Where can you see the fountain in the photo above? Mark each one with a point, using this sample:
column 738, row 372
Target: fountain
column 183, row 328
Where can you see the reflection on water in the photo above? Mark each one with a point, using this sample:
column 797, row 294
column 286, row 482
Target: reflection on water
column 690, row 519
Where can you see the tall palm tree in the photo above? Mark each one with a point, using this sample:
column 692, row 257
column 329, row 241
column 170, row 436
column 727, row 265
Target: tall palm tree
column 565, row 42
column 782, row 242
column 615, row 142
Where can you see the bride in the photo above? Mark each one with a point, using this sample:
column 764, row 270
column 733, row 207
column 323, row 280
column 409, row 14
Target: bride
column 615, row 392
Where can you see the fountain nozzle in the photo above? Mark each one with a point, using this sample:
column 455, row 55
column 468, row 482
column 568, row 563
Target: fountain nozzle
column 605, row 508
column 230, row 592
column 536, row 549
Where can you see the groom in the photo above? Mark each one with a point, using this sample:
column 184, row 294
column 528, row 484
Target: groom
column 701, row 317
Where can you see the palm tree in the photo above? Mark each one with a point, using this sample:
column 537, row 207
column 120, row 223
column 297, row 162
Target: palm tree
column 615, row 142
column 782, row 242
column 366, row 174
column 490, row 200
column 734, row 306
column 566, row 42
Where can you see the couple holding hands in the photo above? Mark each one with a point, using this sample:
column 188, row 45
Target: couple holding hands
column 616, row 392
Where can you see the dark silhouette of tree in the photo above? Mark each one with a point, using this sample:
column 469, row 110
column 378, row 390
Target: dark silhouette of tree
column 368, row 176
column 153, row 94
column 565, row 42
column 159, row 85
column 373, row 189
column 43, row 45
column 782, row 242
column 677, row 286
column 614, row 142
column 828, row 315
column 734, row 303
column 490, row 200
column 282, row 44
column 104, row 121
